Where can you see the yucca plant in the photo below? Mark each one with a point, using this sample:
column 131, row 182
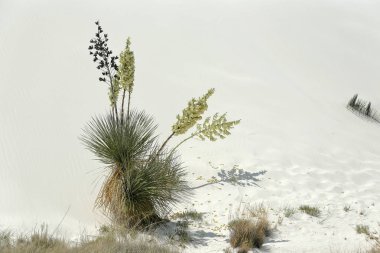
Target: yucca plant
column 137, row 187
column 145, row 178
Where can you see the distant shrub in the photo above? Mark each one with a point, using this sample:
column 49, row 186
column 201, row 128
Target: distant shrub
column 189, row 214
column 347, row 208
column 310, row 210
column 362, row 229
column 288, row 212
column 363, row 108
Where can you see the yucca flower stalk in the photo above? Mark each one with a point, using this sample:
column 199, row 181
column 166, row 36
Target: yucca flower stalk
column 106, row 63
column 190, row 115
column 126, row 75
column 212, row 129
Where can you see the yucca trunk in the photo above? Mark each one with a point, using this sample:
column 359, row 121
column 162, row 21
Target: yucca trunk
column 116, row 201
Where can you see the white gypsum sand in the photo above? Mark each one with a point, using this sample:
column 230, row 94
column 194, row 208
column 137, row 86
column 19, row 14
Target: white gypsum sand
column 287, row 69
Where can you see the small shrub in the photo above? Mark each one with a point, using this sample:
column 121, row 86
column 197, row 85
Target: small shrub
column 190, row 214
column 182, row 232
column 105, row 229
column 289, row 212
column 362, row 229
column 249, row 233
column 312, row 211
column 347, row 208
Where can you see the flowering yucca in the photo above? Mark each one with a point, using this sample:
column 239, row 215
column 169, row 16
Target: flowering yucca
column 144, row 178
column 192, row 113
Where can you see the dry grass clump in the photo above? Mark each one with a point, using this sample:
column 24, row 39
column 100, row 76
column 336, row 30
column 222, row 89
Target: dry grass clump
column 250, row 230
column 248, row 233
column 108, row 242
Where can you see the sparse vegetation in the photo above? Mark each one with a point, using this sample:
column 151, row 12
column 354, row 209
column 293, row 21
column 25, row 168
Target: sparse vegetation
column 189, row 214
column 362, row 229
column 42, row 242
column 289, row 212
column 257, row 210
column 181, row 233
column 347, row 208
column 280, row 219
column 310, row 210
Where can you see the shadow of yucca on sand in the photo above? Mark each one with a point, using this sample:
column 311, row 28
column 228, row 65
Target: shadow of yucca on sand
column 145, row 177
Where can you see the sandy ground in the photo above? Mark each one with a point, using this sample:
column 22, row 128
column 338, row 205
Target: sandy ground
column 286, row 69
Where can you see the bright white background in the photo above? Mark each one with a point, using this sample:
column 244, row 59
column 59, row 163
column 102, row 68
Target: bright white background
column 286, row 68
